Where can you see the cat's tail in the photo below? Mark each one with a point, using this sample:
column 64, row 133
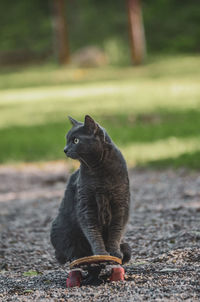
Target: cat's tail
column 126, row 251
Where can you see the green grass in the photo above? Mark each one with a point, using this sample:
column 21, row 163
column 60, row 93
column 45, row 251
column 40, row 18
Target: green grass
column 152, row 112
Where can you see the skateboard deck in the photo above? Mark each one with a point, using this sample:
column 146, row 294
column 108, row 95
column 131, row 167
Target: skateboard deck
column 87, row 270
column 95, row 259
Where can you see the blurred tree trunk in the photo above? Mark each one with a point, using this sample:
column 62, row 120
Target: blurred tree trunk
column 60, row 31
column 137, row 36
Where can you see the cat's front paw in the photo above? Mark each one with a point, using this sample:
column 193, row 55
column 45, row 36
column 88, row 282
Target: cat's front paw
column 116, row 253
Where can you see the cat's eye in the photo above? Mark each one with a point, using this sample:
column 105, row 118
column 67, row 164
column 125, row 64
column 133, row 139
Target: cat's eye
column 76, row 140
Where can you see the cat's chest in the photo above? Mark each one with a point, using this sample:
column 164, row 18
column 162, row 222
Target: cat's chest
column 108, row 185
column 109, row 181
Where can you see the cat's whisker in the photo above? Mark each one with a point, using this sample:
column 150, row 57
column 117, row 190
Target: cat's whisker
column 101, row 156
column 84, row 162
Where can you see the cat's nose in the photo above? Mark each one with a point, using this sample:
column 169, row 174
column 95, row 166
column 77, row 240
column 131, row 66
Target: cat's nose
column 65, row 149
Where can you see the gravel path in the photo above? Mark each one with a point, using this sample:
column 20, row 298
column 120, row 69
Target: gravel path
column 164, row 232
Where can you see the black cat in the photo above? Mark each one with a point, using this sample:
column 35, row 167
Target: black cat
column 95, row 208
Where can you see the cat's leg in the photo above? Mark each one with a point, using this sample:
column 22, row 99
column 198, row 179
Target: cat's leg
column 90, row 227
column 94, row 238
column 114, row 239
column 115, row 232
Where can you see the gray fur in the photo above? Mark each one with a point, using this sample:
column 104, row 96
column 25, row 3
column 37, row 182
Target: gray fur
column 95, row 207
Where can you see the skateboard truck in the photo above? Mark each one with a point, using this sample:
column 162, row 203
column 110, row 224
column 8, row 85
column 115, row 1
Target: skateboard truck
column 92, row 266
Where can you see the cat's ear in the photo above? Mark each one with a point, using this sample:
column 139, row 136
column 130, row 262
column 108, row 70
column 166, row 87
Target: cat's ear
column 90, row 124
column 73, row 121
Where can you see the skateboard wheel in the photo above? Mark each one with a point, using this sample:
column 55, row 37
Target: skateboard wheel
column 117, row 274
column 74, row 279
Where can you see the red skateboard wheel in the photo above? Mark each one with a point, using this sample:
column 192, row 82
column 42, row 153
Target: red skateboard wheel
column 74, row 279
column 117, row 274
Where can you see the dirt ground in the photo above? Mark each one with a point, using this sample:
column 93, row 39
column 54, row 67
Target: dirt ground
column 163, row 231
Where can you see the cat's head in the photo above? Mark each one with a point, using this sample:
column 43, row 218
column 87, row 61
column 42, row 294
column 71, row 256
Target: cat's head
column 86, row 141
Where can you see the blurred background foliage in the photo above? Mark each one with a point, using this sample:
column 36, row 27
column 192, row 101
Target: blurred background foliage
column 151, row 111
column 171, row 26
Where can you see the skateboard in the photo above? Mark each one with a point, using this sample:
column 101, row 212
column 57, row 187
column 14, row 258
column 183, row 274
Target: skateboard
column 92, row 270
